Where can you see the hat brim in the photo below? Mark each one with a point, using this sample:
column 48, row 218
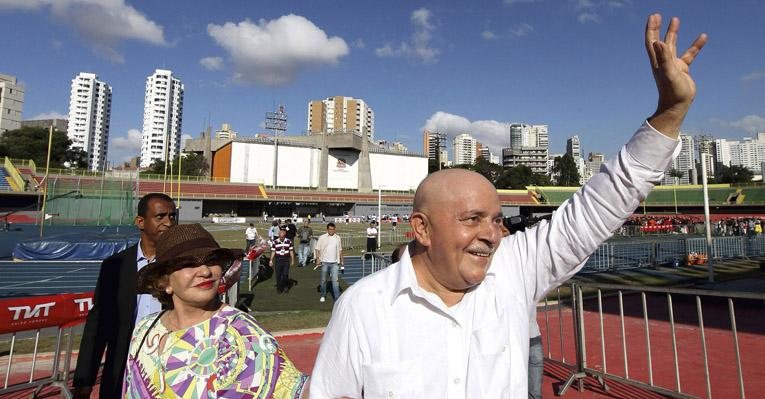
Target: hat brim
column 192, row 258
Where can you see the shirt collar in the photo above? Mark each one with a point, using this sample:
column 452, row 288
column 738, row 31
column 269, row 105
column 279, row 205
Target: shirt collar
column 140, row 256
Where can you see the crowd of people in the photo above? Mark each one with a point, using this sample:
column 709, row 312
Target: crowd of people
column 452, row 318
column 691, row 224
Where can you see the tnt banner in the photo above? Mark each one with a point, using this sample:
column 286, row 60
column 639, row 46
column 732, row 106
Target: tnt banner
column 31, row 313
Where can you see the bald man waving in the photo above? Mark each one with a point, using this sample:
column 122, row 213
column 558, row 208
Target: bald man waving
column 451, row 318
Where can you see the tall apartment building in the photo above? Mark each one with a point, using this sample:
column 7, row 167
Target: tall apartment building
column 11, row 103
column 722, row 151
column 573, row 147
column 594, row 161
column 341, row 115
column 705, row 145
column 685, row 162
column 529, row 145
column 225, row 132
column 533, row 157
column 162, row 117
column 519, row 135
column 90, row 104
column 464, row 149
column 432, row 144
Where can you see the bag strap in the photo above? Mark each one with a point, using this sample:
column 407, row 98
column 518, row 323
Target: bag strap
column 143, row 339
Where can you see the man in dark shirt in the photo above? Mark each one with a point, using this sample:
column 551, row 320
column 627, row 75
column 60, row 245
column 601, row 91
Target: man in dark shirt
column 282, row 256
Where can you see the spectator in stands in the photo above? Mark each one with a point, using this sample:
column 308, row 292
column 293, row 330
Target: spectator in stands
column 282, row 257
column 198, row 346
column 329, row 254
column 452, row 316
column 116, row 305
column 306, row 234
column 250, row 235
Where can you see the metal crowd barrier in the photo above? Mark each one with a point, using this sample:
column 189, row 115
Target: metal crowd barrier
column 16, row 377
column 373, row 261
column 614, row 325
column 620, row 255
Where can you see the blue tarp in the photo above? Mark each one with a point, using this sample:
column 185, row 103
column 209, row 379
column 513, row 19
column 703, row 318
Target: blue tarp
column 77, row 245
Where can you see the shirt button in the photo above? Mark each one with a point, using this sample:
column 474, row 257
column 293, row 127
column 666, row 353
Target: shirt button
column 456, row 380
column 379, row 292
column 454, row 324
column 390, row 394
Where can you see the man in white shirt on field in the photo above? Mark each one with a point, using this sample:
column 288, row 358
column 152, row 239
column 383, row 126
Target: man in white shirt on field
column 329, row 255
column 451, row 318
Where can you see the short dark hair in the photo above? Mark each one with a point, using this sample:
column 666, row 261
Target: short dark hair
column 330, row 224
column 143, row 203
column 252, row 225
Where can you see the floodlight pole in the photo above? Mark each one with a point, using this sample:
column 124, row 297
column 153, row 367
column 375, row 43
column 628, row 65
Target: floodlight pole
column 379, row 217
column 707, row 223
column 45, row 188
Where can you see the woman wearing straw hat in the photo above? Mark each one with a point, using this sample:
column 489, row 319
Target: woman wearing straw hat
column 199, row 347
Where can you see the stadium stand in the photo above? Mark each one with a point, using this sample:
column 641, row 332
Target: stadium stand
column 5, row 185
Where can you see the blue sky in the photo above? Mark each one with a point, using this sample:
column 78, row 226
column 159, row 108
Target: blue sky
column 578, row 66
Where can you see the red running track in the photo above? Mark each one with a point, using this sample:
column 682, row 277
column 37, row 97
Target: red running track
column 717, row 330
column 302, row 349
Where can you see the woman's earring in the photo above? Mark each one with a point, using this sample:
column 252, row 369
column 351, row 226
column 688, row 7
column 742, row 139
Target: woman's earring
column 169, row 290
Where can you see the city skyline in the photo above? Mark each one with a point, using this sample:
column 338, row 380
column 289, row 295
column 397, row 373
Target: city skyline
column 445, row 65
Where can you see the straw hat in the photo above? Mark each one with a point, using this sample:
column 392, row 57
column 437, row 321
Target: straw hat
column 185, row 245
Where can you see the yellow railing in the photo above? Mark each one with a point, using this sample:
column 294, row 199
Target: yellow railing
column 16, row 181
column 27, row 163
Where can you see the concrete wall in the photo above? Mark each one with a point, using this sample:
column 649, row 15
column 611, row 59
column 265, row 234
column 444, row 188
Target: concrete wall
column 397, row 172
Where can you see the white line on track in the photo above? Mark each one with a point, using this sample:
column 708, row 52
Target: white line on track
column 40, row 281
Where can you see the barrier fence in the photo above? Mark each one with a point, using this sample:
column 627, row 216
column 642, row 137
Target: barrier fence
column 684, row 343
column 672, row 250
column 20, row 317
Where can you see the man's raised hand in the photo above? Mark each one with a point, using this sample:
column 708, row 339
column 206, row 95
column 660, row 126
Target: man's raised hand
column 671, row 73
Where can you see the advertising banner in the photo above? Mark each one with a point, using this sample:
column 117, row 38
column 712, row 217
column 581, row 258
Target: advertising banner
column 31, row 313
column 343, row 169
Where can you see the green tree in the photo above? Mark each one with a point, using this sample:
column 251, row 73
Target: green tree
column 193, row 164
column 32, row 143
column 489, row 170
column 733, row 174
column 518, row 177
column 565, row 168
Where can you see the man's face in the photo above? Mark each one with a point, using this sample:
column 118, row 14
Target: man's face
column 282, row 233
column 331, row 230
column 465, row 232
column 160, row 215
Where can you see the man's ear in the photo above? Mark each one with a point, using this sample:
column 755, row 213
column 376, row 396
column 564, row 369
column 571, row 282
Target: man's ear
column 421, row 228
column 139, row 222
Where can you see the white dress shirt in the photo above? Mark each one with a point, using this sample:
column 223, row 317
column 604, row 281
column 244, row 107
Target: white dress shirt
column 329, row 248
column 145, row 303
column 393, row 339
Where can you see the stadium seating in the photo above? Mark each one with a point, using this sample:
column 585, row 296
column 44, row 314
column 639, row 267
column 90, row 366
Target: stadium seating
column 5, row 185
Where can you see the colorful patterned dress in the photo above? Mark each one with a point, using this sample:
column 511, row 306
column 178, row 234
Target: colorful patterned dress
column 227, row 356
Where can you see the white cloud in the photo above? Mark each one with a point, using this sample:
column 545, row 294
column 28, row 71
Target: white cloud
column 418, row 48
column 130, row 142
column 274, row 52
column 494, row 134
column 50, row 115
column 585, row 17
column 358, row 43
column 212, row 63
column 751, row 77
column 522, row 30
column 751, row 124
column 102, row 23
column 590, row 10
column 488, row 35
